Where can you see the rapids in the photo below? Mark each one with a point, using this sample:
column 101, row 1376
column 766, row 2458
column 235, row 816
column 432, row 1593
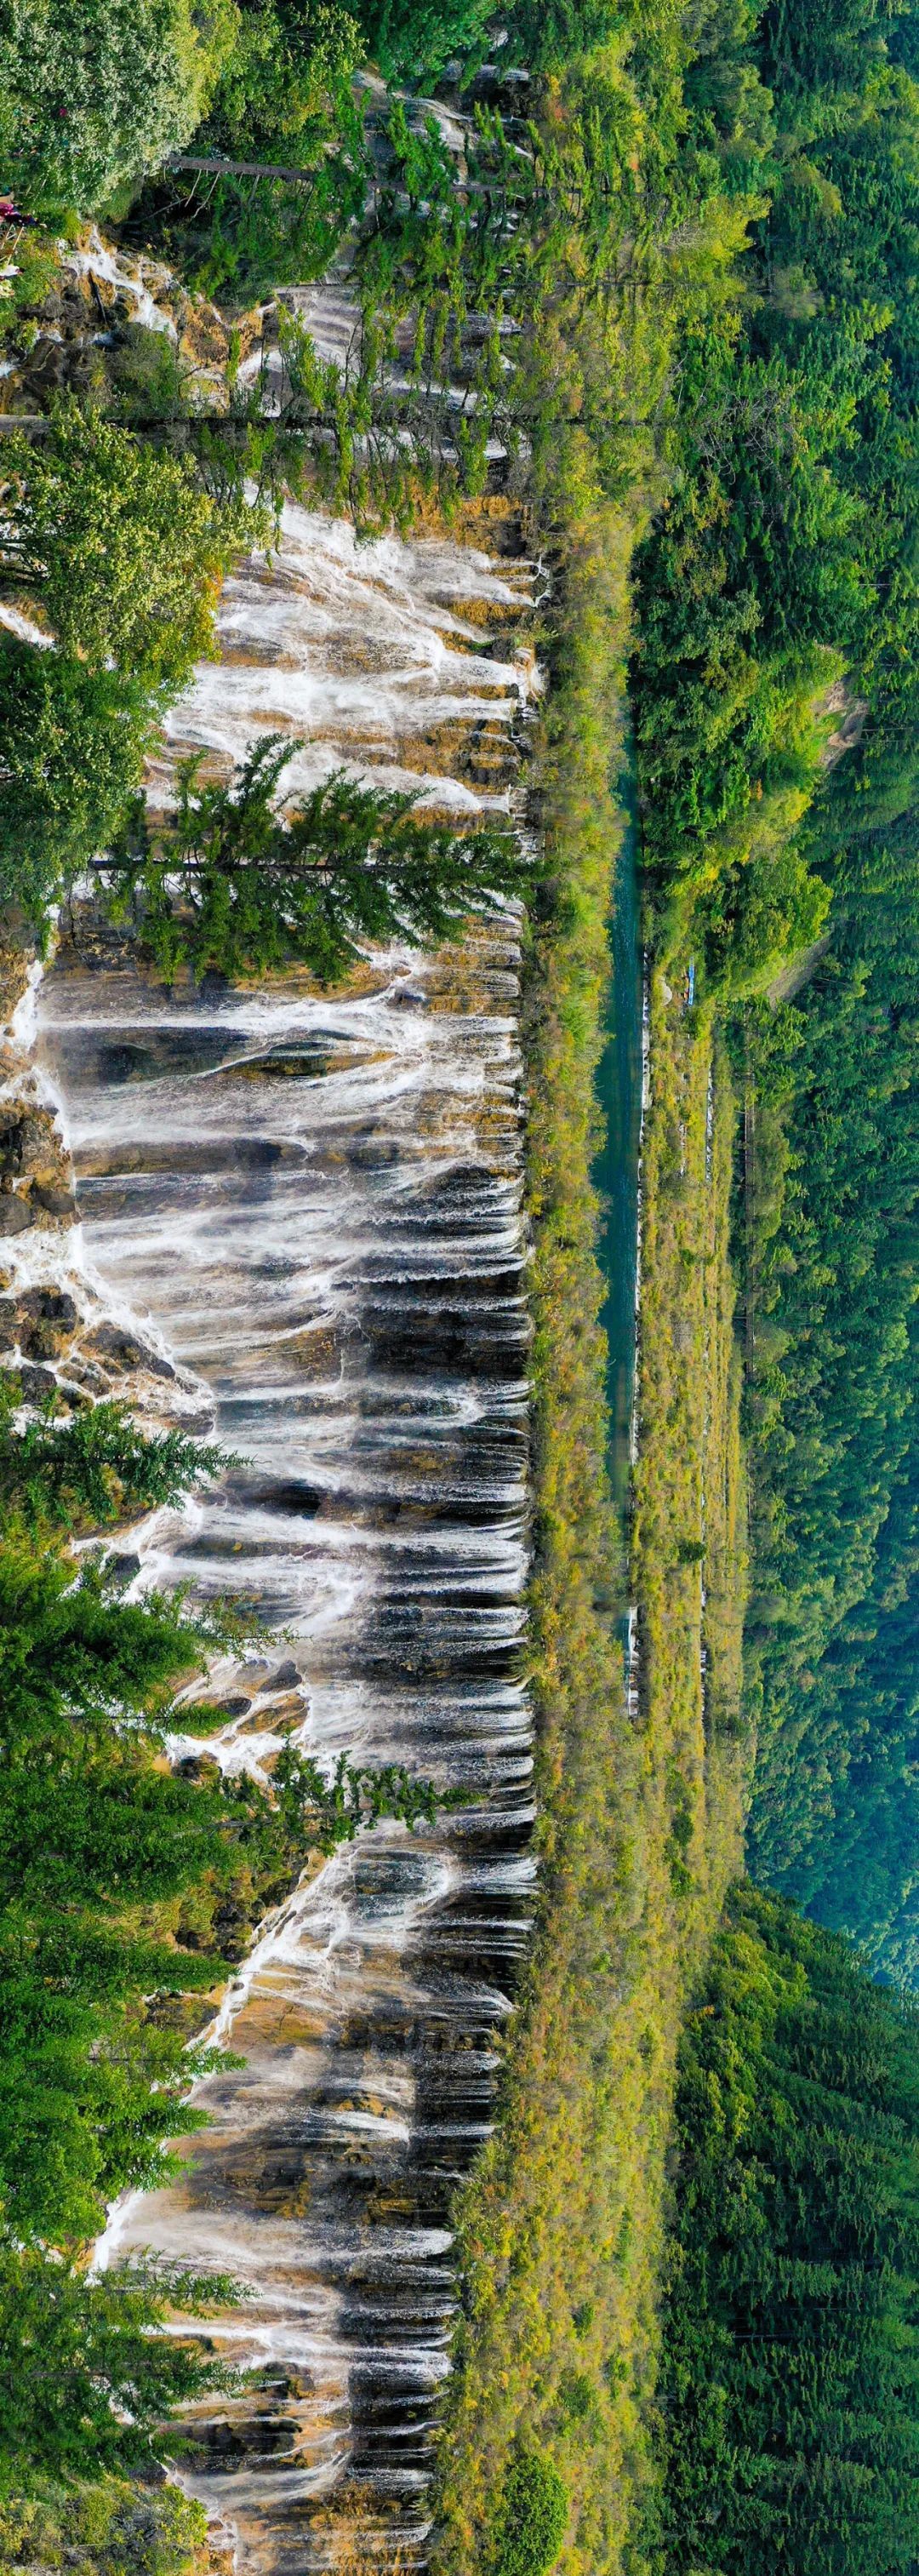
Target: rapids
column 314, row 1200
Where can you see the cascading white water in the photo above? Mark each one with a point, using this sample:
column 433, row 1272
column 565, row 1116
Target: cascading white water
column 316, row 1199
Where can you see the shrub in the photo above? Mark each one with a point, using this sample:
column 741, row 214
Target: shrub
column 531, row 2520
column 411, row 36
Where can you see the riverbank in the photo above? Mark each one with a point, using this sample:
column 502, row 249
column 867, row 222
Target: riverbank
column 560, row 2229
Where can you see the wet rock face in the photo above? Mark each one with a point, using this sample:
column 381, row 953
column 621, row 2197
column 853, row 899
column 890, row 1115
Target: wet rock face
column 124, row 1352
column 15, row 1215
column 97, row 327
column 54, row 1334
column 376, row 1518
column 316, row 1197
column 35, row 1174
column 54, row 1202
column 17, row 954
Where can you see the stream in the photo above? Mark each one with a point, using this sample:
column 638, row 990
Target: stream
column 620, row 1091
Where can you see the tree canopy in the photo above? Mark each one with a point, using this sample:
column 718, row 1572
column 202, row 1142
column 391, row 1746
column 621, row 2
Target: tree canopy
column 231, row 883
column 72, row 743
column 789, row 2389
column 118, row 542
column 92, row 92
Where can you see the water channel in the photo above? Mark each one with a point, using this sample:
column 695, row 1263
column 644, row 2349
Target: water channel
column 620, row 1091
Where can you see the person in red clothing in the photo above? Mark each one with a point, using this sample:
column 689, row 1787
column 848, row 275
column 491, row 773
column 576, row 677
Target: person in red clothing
column 10, row 213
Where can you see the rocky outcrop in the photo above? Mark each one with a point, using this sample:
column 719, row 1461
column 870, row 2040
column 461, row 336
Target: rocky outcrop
column 97, row 326
column 55, row 1332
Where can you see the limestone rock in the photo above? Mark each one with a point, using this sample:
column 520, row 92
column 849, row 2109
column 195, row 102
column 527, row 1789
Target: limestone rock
column 15, row 1214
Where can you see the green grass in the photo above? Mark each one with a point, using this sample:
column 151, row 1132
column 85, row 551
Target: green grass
column 561, row 2225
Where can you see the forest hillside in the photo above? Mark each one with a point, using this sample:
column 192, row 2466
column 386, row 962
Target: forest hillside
column 631, row 293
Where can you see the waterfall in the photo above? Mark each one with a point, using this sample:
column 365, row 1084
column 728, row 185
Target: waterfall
column 313, row 1201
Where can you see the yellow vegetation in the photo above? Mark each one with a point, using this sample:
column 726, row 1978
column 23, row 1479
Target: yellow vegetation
column 560, row 2227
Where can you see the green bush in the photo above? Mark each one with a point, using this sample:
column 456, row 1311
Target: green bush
column 72, row 744
column 114, row 2529
column 278, row 89
column 284, row 98
column 120, row 544
column 531, row 2520
column 410, row 36
column 92, row 92
column 93, row 1470
column 83, row 2379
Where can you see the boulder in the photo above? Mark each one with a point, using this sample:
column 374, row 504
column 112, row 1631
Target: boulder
column 36, row 1383
column 53, row 1305
column 30, row 1143
column 286, row 1678
column 55, row 1202
column 15, row 1214
column 198, row 1766
column 123, row 1351
column 121, row 1567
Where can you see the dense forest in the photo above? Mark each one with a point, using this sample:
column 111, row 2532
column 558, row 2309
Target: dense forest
column 787, row 2387
column 788, row 2392
column 831, row 1256
column 775, row 690
column 778, row 579
column 832, row 1663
